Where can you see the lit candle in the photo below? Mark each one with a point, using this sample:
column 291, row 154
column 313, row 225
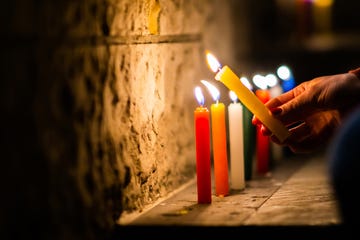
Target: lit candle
column 218, row 133
column 235, row 112
column 262, row 142
column 248, row 98
column 203, row 161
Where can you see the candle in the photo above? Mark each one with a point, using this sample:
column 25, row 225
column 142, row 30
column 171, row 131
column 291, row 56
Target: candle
column 262, row 142
column 248, row 98
column 218, row 133
column 249, row 142
column 203, row 161
column 235, row 113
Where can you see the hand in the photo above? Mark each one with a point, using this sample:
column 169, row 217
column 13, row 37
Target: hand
column 313, row 110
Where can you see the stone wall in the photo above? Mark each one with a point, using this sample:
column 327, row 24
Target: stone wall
column 97, row 108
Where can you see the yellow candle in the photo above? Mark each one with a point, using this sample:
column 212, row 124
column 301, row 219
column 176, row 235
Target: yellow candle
column 248, row 98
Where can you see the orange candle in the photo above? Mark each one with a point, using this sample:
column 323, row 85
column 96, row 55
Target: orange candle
column 218, row 133
column 203, row 161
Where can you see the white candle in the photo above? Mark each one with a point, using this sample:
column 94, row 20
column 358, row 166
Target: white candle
column 237, row 174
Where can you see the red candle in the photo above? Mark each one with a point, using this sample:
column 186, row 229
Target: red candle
column 203, row 162
column 262, row 142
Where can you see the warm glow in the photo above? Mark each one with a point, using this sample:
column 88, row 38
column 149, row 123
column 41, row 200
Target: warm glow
column 283, row 72
column 271, row 80
column 233, row 96
column 260, row 81
column 246, row 82
column 199, row 96
column 215, row 93
column 323, row 3
column 213, row 62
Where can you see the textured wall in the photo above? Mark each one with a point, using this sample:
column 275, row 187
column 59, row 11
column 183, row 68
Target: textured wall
column 97, row 108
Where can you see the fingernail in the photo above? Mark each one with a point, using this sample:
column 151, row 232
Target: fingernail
column 276, row 111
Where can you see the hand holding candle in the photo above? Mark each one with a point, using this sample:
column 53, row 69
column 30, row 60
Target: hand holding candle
column 203, row 161
column 248, row 98
column 218, row 132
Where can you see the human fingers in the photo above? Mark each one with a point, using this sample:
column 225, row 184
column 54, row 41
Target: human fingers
column 315, row 132
column 282, row 99
column 255, row 121
column 296, row 110
column 274, row 111
column 265, row 131
column 275, row 104
column 300, row 138
column 297, row 134
column 293, row 105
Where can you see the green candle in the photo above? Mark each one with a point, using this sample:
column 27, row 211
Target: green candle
column 249, row 142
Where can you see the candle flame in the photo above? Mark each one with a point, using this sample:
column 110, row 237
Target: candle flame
column 199, row 96
column 213, row 62
column 215, row 93
column 323, row 3
column 233, row 96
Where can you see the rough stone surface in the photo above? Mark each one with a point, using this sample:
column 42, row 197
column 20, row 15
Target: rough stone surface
column 97, row 103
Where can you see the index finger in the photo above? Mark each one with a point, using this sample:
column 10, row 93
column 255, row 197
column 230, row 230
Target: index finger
column 280, row 100
column 275, row 103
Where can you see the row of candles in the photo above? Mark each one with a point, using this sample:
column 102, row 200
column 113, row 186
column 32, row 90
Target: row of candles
column 239, row 121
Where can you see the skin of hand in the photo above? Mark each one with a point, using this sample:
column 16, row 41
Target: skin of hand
column 314, row 110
